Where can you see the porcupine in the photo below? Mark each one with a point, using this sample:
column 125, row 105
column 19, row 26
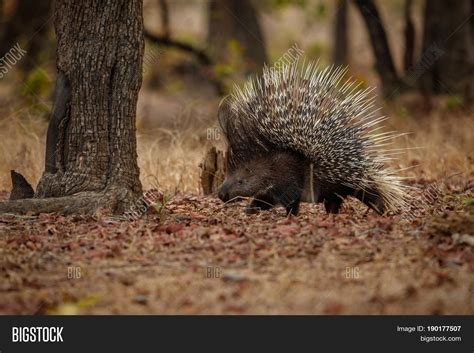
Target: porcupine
column 301, row 132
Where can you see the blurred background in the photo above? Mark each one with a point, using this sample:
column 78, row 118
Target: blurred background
column 418, row 54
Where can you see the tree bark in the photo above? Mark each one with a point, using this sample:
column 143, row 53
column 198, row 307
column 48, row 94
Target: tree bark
column 448, row 48
column 378, row 38
column 212, row 170
column 340, row 50
column 236, row 20
column 91, row 144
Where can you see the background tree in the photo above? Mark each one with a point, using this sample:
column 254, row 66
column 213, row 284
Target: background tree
column 340, row 48
column 165, row 39
column 91, row 159
column 378, row 39
column 165, row 18
column 448, row 48
column 29, row 25
column 409, row 34
column 1, row 16
column 236, row 20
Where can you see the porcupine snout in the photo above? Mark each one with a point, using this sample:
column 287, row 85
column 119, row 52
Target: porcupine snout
column 223, row 192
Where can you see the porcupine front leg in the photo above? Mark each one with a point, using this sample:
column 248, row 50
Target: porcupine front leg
column 260, row 202
column 332, row 204
column 331, row 195
column 290, row 199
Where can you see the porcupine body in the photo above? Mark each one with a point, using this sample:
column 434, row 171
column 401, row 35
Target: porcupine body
column 302, row 132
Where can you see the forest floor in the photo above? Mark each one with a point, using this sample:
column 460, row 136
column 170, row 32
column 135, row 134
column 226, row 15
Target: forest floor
column 199, row 256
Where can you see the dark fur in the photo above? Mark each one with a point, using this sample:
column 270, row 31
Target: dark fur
column 284, row 178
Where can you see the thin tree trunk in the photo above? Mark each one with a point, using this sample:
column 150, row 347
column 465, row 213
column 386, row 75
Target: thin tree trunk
column 448, row 48
column 1, row 16
column 378, row 38
column 236, row 20
column 409, row 33
column 91, row 157
column 340, row 50
column 165, row 18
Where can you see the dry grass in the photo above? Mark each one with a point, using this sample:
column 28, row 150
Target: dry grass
column 22, row 146
column 439, row 144
column 167, row 157
column 171, row 164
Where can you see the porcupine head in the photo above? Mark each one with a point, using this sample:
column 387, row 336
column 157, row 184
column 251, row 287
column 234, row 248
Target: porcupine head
column 270, row 178
column 279, row 125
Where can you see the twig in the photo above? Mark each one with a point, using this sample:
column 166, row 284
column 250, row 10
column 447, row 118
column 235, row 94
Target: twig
column 200, row 54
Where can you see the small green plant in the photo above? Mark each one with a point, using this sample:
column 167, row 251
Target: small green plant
column 74, row 307
column 37, row 84
column 281, row 4
column 36, row 90
column 466, row 201
column 161, row 204
column 223, row 70
column 320, row 12
column 454, row 102
column 316, row 50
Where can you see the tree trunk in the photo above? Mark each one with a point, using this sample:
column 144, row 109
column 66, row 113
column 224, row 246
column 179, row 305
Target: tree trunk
column 236, row 20
column 91, row 154
column 409, row 33
column 448, row 48
column 2, row 25
column 378, row 38
column 165, row 18
column 340, row 50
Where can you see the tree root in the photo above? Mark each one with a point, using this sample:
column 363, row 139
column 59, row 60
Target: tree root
column 117, row 201
column 82, row 203
column 22, row 200
column 114, row 199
